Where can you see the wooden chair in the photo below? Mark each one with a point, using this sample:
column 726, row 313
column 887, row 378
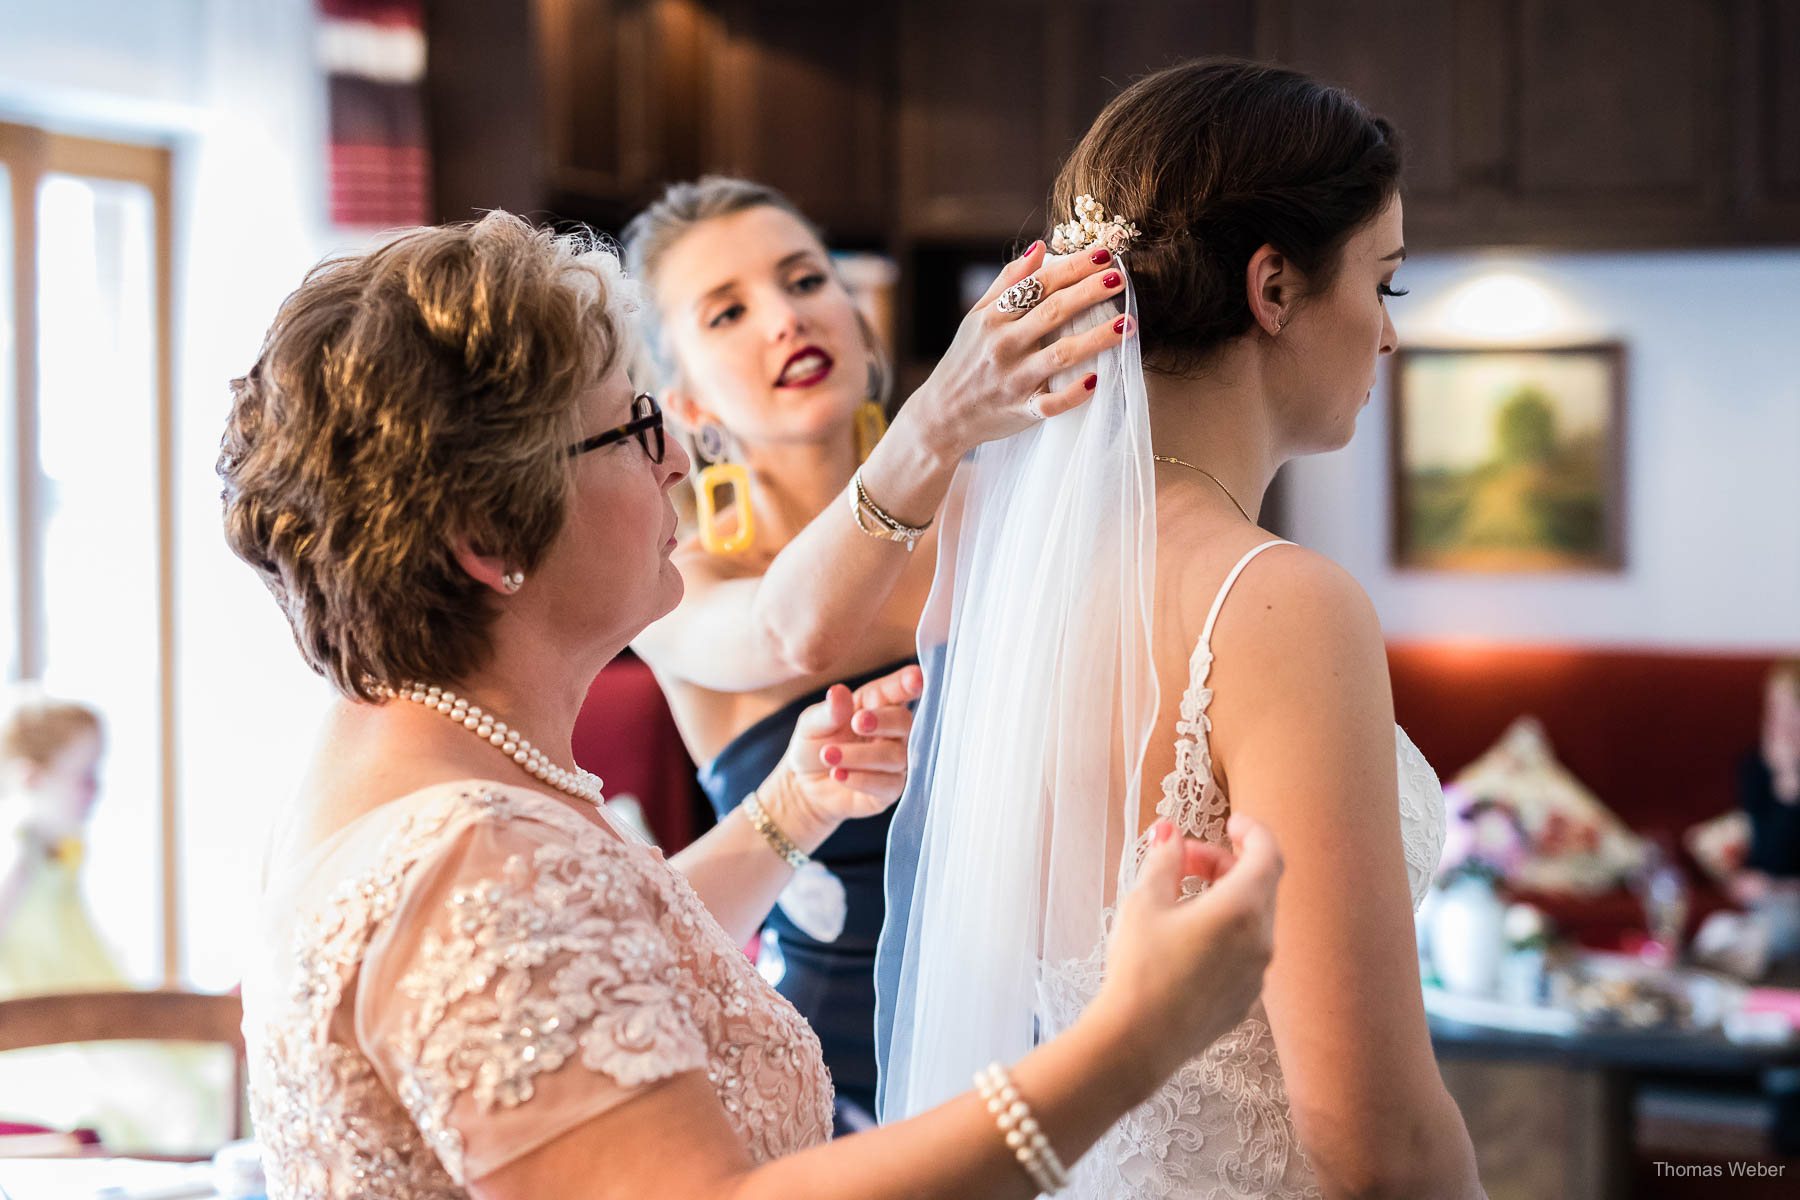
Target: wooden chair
column 157, row 1016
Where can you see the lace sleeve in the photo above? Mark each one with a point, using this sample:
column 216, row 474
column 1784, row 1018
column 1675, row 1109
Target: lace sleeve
column 525, row 983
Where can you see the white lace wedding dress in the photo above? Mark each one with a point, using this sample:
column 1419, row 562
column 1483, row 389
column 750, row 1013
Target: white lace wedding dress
column 1220, row 1128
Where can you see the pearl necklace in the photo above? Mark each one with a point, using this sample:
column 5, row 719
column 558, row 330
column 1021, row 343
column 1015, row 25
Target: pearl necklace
column 583, row 785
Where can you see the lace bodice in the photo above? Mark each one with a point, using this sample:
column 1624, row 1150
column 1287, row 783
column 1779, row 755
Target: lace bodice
column 1220, row 1128
column 461, row 975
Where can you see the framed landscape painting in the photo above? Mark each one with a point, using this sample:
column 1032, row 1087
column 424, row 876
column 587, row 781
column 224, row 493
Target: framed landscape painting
column 1509, row 459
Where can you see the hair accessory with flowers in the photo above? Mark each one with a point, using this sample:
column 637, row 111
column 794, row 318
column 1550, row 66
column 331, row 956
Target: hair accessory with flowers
column 1092, row 227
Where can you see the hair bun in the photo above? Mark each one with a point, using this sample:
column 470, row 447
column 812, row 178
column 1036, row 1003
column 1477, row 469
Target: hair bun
column 1212, row 160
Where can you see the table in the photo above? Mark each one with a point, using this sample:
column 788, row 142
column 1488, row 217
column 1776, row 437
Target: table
column 104, row 1179
column 1558, row 1115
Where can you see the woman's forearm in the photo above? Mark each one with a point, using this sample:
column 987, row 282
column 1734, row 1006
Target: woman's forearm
column 818, row 594
column 1077, row 1085
column 734, row 870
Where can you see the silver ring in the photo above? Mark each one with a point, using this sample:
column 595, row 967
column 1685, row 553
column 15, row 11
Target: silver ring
column 1031, row 406
column 1021, row 297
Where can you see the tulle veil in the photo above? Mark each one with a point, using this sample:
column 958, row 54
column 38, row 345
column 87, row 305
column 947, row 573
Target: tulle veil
column 1024, row 778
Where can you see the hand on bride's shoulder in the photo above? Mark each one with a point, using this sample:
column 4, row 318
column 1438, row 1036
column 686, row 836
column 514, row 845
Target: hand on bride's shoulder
column 1181, row 972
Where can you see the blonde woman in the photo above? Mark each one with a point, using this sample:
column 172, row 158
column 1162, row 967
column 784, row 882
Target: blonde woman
column 467, row 977
column 798, row 572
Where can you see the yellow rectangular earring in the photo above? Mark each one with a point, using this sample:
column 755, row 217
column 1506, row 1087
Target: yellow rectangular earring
column 706, row 489
column 871, row 423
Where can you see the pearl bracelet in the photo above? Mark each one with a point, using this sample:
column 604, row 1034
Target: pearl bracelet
column 780, row 842
column 1020, row 1129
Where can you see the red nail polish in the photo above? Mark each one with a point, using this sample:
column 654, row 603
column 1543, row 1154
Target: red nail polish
column 832, row 756
column 1122, row 325
column 1090, row 382
column 1031, row 249
column 863, row 723
column 1102, row 256
column 1111, row 279
column 839, row 774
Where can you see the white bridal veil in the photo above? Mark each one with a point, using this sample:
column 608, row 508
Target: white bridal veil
column 1041, row 694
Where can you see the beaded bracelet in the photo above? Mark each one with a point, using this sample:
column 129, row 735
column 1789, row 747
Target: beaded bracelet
column 1020, row 1129
column 772, row 833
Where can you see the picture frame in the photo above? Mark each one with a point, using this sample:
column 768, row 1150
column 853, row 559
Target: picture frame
column 1508, row 459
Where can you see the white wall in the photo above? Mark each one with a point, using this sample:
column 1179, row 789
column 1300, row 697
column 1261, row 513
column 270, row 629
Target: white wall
column 1712, row 457
column 232, row 86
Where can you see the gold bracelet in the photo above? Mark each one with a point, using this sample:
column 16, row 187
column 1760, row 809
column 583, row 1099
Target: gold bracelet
column 781, row 843
column 1020, row 1130
column 887, row 527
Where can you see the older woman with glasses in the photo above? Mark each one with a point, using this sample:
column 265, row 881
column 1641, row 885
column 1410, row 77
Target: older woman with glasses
column 467, row 978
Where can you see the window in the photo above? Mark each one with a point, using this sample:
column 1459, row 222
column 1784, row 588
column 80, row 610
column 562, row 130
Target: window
column 86, row 524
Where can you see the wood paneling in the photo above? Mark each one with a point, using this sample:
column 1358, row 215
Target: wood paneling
column 801, row 97
column 1123, row 40
column 1623, row 116
column 602, row 102
column 1766, row 66
column 977, row 139
column 1397, row 56
column 482, row 108
column 1610, row 123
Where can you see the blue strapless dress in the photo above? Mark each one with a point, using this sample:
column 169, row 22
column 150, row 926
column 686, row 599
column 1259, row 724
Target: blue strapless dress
column 831, row 983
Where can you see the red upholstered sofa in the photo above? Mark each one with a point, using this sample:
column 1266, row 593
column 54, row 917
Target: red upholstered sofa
column 626, row 736
column 1654, row 734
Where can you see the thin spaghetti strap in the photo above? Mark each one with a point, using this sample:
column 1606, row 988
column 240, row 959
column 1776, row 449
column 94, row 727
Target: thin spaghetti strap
column 1219, row 600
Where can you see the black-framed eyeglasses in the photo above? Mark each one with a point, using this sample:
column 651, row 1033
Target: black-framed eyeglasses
column 646, row 425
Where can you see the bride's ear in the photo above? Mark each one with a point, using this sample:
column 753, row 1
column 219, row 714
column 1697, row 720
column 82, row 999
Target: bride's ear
column 1271, row 284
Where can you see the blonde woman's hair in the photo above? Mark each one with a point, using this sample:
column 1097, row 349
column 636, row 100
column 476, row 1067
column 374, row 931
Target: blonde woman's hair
column 37, row 727
column 405, row 398
column 673, row 215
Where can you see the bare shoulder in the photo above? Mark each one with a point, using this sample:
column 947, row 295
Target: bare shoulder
column 1296, row 615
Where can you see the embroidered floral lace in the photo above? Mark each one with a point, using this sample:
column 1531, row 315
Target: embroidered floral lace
column 489, row 971
column 1220, row 1128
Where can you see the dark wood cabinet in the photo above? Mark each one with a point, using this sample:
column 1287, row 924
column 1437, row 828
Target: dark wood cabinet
column 800, row 96
column 993, row 96
column 1604, row 124
column 1403, row 59
column 1622, row 122
column 1766, row 127
column 979, row 134
column 940, row 123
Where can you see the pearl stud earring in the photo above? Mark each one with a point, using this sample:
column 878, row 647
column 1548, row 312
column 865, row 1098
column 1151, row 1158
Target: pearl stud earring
column 513, row 580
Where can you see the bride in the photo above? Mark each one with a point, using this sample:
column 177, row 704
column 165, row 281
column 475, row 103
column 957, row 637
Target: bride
column 1107, row 615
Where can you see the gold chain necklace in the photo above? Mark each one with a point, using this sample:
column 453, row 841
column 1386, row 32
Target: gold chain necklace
column 1190, row 466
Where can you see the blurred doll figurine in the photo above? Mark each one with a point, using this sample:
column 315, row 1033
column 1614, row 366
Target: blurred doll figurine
column 49, row 760
column 139, row 1096
column 1768, row 788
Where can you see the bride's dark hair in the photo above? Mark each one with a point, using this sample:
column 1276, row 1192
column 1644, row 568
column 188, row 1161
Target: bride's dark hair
column 1212, row 160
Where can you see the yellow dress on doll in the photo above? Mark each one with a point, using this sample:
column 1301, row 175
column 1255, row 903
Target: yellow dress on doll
column 145, row 1096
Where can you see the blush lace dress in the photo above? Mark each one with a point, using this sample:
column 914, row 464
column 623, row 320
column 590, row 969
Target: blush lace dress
column 461, row 975
column 1221, row 1128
